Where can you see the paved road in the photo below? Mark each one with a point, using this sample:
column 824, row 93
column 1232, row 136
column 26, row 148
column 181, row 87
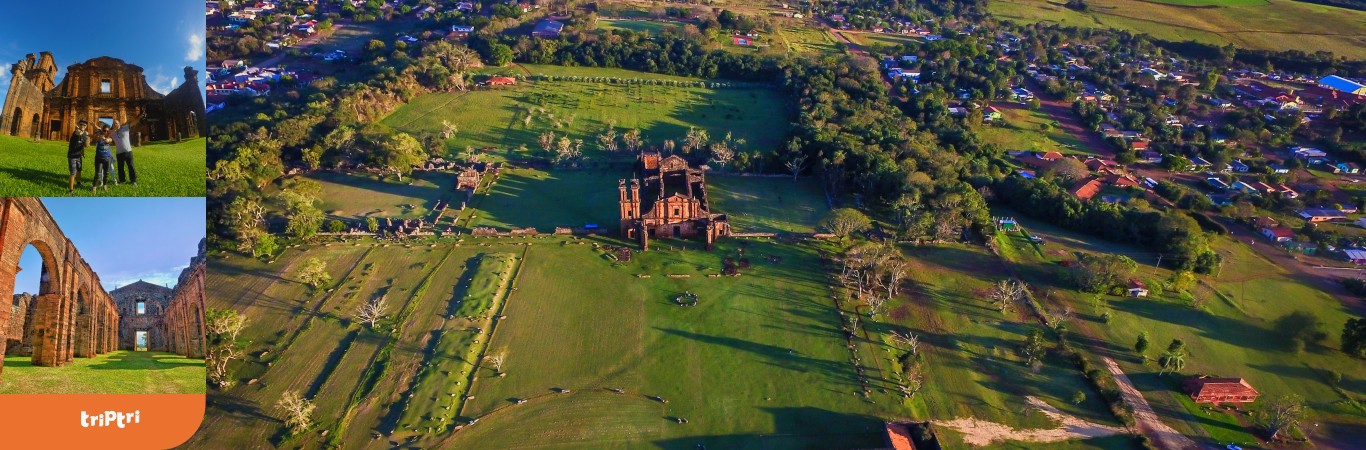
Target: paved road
column 1163, row 436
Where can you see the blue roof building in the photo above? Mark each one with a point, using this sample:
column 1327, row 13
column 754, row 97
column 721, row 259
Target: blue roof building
column 1342, row 84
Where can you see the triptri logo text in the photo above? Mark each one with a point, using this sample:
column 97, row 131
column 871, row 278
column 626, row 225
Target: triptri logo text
column 109, row 419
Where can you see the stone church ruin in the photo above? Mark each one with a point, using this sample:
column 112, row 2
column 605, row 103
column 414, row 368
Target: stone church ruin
column 102, row 89
column 668, row 199
column 71, row 315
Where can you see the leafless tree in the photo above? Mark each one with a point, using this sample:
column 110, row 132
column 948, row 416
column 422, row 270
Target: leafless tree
column 298, row 411
column 216, row 358
column 372, row 311
column 907, row 339
column 495, row 360
column 632, row 140
column 895, row 271
column 608, row 140
column 721, row 155
column 875, row 303
column 448, row 129
column 1007, row 292
column 547, row 141
column 1280, row 413
column 795, row 165
column 669, row 146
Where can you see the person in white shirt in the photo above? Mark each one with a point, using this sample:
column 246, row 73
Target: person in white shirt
column 124, row 155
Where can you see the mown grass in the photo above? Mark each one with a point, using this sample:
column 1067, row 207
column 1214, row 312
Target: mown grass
column 806, row 39
column 1262, row 25
column 40, row 170
column 582, row 110
column 758, row 363
column 648, row 26
column 117, row 372
column 768, row 204
column 548, row 199
column 363, row 195
column 1021, row 129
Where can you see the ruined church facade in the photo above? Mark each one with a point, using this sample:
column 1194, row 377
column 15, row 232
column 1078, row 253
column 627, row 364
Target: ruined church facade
column 668, row 199
column 167, row 319
column 101, row 89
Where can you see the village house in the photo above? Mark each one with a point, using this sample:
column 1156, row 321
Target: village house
column 548, row 29
column 1322, row 214
column 1137, row 289
column 1357, row 257
column 1220, row 390
column 1278, row 233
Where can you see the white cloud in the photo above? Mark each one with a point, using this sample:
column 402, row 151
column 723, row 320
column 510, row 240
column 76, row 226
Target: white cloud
column 196, row 51
column 166, row 278
column 4, row 70
column 164, row 84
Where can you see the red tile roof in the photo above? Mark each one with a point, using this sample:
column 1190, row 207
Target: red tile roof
column 900, row 435
column 1088, row 189
column 1219, row 387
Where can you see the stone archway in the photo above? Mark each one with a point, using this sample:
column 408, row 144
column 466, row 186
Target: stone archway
column 15, row 120
column 64, row 318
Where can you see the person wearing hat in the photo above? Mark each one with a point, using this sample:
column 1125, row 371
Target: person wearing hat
column 75, row 151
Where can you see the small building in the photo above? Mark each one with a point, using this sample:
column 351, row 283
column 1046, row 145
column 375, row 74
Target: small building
column 1278, row 233
column 1137, row 289
column 1220, row 390
column 548, row 29
column 1322, row 214
column 1087, row 190
column 741, row 40
column 1357, row 257
column 1050, row 156
column 502, row 81
column 1338, row 83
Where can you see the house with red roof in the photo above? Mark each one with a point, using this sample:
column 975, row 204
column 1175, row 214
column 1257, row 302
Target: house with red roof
column 1088, row 189
column 1278, row 233
column 1220, row 390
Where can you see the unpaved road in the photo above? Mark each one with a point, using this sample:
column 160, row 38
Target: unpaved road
column 1163, row 436
column 978, row 432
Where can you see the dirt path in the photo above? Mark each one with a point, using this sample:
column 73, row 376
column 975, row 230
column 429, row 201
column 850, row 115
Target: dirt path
column 1163, row 436
column 978, row 432
column 1060, row 110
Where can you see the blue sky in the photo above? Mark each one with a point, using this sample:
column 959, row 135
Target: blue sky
column 161, row 36
column 124, row 239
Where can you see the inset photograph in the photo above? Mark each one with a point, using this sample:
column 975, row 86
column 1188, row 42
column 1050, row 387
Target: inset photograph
column 107, row 296
column 107, row 102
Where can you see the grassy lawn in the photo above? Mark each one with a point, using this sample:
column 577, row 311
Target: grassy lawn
column 1230, row 331
column 1022, row 130
column 757, row 363
column 649, row 26
column 973, row 368
column 806, row 39
column 117, row 372
column 545, row 200
column 361, row 195
column 768, row 204
column 507, row 118
column 1255, row 24
column 883, row 39
column 40, row 170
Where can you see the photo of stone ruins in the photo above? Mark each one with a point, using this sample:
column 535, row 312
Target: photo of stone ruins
column 72, row 319
column 101, row 89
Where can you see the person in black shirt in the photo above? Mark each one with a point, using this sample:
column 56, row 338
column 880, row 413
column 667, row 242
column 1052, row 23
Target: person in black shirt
column 75, row 151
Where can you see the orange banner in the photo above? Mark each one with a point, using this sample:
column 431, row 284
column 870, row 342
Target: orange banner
column 104, row 421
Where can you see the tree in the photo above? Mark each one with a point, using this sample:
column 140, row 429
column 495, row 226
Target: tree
column 1142, row 345
column 908, row 339
column 372, row 311
column 1174, row 359
column 314, row 273
column 221, row 328
column 245, row 217
column 335, row 226
column 845, row 221
column 448, row 129
column 1033, row 348
column 547, row 141
column 607, row 141
column 1071, row 169
column 372, row 224
column 265, row 245
column 499, row 54
column 297, row 411
column 1354, row 337
column 1280, row 413
column 304, row 222
column 399, row 153
column 721, row 155
column 495, row 360
column 1099, row 273
column 696, row 139
column 1078, row 397
column 1007, row 292
column 632, row 140
column 795, row 165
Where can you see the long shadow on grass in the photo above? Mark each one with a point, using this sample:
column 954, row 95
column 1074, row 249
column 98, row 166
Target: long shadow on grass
column 239, row 407
column 331, row 363
column 56, row 179
column 798, row 427
column 839, row 372
column 1232, row 331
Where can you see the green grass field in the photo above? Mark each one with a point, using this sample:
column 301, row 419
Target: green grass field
column 507, row 118
column 808, row 40
column 1232, row 333
column 768, row 204
column 117, row 372
column 361, row 195
column 40, row 170
column 1254, row 24
column 755, row 364
column 1020, row 130
column 649, row 26
column 545, row 200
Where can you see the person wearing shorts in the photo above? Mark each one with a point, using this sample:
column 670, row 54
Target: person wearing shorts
column 75, row 151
